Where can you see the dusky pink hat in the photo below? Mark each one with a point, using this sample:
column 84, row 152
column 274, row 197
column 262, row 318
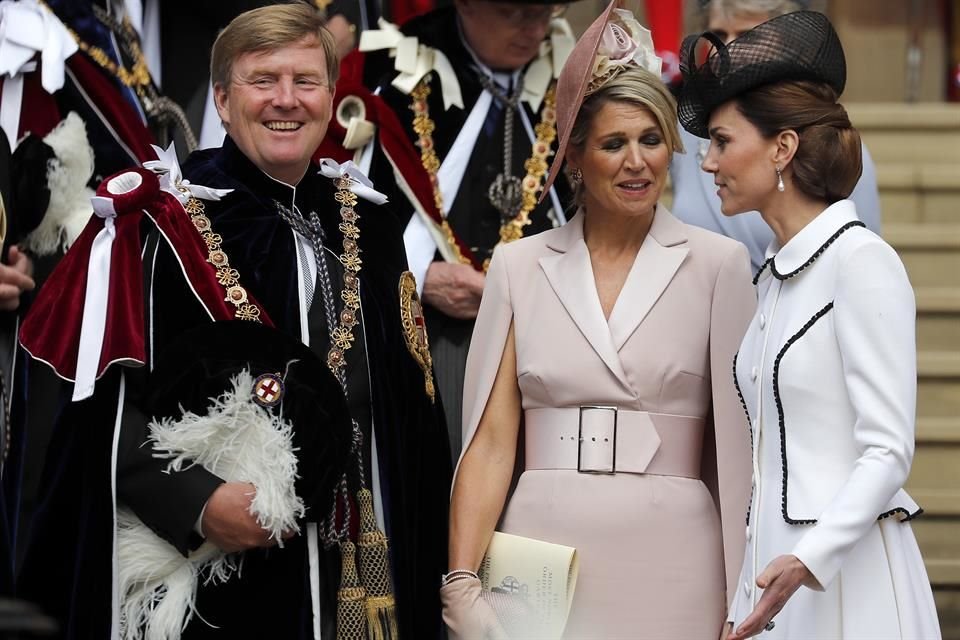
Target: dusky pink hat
column 590, row 65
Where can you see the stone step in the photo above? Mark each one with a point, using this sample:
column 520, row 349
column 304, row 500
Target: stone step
column 938, row 318
column 948, row 609
column 916, row 133
column 876, row 117
column 936, row 300
column 919, row 205
column 938, row 398
column 930, row 251
column 923, row 236
column 935, row 500
column 938, row 331
column 938, row 384
column 934, row 480
column 943, row 430
column 938, row 365
column 939, row 540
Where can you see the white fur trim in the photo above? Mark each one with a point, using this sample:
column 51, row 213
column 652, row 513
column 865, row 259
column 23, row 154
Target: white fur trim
column 67, row 177
column 238, row 441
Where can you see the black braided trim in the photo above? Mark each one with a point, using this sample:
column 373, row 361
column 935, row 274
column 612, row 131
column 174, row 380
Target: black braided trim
column 756, row 278
column 816, row 254
column 776, row 397
column 736, row 384
column 907, row 515
column 783, row 434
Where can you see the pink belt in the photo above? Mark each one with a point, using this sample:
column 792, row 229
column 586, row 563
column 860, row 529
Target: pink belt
column 598, row 439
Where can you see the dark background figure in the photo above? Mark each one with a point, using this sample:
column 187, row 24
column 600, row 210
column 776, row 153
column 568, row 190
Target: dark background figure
column 503, row 60
column 99, row 114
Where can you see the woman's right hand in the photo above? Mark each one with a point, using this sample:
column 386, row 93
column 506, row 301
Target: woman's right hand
column 466, row 614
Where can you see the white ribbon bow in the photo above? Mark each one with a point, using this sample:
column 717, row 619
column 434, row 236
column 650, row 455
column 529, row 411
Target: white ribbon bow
column 549, row 62
column 172, row 180
column 412, row 61
column 360, row 184
column 94, row 321
column 27, row 28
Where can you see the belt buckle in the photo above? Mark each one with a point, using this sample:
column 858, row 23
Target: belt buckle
column 594, row 433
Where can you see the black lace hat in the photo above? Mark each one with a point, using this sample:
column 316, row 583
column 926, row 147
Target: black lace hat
column 796, row 46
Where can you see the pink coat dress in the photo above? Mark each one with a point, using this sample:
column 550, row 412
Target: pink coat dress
column 651, row 545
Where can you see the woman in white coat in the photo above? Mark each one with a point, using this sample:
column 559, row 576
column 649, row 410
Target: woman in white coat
column 827, row 369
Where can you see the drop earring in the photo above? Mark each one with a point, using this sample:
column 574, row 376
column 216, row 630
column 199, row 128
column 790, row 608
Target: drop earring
column 779, row 179
column 576, row 176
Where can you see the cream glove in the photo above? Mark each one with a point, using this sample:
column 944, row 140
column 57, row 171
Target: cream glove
column 467, row 615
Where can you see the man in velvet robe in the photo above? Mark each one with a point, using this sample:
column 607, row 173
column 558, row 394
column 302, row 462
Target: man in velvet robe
column 275, row 101
column 475, row 57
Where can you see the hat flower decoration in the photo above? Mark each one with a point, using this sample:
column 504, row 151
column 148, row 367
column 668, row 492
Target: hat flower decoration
column 623, row 42
column 614, row 42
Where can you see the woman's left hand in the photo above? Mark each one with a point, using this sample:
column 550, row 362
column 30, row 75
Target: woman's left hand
column 783, row 576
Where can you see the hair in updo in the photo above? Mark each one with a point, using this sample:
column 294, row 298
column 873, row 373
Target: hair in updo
column 827, row 163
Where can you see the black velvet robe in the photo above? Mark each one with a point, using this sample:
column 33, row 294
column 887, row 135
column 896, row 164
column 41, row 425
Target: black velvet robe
column 68, row 566
column 472, row 217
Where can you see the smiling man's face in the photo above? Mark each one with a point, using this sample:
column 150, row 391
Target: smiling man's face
column 277, row 106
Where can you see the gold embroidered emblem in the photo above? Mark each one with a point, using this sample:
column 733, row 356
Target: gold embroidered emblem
column 415, row 330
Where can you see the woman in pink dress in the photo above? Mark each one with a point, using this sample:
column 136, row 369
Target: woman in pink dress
column 605, row 347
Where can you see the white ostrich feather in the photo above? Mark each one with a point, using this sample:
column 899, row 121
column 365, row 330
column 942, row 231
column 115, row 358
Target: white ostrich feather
column 67, row 176
column 238, row 441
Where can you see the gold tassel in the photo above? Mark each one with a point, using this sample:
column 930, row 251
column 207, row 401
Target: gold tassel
column 381, row 607
column 351, row 622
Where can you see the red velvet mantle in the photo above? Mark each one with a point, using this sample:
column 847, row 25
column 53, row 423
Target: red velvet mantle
column 51, row 330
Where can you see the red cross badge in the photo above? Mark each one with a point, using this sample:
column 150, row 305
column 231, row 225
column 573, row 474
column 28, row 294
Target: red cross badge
column 268, row 390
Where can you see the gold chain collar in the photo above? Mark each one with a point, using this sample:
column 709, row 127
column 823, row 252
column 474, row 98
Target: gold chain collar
column 227, row 276
column 342, row 337
column 536, row 165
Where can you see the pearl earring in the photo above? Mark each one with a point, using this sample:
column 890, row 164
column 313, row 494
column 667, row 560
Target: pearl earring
column 779, row 180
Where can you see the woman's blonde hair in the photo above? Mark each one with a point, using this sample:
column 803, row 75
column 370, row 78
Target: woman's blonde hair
column 636, row 86
column 269, row 28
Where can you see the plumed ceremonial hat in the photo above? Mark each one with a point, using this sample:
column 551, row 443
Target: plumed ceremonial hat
column 796, row 46
column 614, row 41
column 285, row 378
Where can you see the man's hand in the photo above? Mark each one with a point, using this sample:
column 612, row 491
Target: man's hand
column 15, row 278
column 454, row 289
column 228, row 523
column 782, row 577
